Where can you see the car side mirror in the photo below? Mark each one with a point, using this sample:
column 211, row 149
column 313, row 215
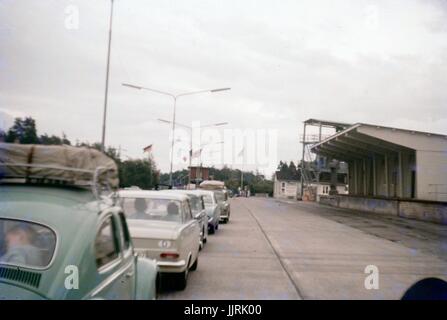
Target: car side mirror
column 198, row 216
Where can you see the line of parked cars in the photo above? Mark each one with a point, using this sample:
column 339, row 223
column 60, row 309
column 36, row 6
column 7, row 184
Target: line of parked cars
column 172, row 226
column 67, row 232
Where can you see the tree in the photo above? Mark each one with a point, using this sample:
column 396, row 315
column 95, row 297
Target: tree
column 141, row 173
column 54, row 140
column 23, row 131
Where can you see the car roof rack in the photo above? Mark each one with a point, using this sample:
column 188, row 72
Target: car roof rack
column 58, row 165
column 94, row 184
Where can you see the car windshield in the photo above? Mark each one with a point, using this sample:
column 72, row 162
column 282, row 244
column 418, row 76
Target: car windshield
column 220, row 196
column 152, row 209
column 196, row 204
column 208, row 200
column 26, row 244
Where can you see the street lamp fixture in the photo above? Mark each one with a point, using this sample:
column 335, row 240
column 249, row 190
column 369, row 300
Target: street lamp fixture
column 174, row 97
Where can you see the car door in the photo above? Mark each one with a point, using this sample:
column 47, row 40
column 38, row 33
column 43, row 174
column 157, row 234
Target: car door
column 128, row 260
column 107, row 250
column 218, row 208
column 191, row 230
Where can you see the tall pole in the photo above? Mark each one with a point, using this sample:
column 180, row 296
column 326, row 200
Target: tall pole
column 302, row 160
column 242, row 180
column 172, row 143
column 190, row 160
column 103, row 139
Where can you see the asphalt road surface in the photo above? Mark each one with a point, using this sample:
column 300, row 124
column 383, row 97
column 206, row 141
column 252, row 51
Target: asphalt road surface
column 274, row 249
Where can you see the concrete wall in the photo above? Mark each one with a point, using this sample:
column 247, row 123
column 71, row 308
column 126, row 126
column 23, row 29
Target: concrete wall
column 382, row 206
column 431, row 168
column 420, row 210
column 423, row 211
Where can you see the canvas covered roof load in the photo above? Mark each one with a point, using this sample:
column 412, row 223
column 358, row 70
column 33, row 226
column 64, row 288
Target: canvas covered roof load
column 212, row 185
column 68, row 164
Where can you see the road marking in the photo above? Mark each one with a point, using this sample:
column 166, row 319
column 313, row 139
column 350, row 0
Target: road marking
column 281, row 262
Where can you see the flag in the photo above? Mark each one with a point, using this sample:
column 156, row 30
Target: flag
column 241, row 153
column 148, row 148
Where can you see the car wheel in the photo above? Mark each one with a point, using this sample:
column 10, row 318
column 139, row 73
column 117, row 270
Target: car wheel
column 195, row 264
column 203, row 236
column 217, row 226
column 182, row 279
column 212, row 229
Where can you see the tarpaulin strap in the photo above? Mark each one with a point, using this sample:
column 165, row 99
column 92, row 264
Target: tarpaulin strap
column 30, row 161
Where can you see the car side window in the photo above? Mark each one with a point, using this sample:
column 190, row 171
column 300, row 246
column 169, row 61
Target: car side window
column 106, row 244
column 126, row 234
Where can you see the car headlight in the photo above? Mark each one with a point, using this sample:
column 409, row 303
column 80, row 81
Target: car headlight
column 164, row 244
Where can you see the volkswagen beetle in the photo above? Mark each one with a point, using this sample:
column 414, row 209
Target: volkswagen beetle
column 60, row 240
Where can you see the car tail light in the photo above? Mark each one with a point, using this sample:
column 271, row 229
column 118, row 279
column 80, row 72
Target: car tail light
column 169, row 255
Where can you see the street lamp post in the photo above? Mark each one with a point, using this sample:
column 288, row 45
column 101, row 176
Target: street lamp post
column 190, row 140
column 174, row 97
column 104, row 117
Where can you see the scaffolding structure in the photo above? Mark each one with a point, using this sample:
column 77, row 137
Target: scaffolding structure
column 311, row 174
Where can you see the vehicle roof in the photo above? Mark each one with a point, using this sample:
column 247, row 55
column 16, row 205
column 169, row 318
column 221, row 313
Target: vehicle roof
column 200, row 191
column 152, row 194
column 187, row 192
column 56, row 207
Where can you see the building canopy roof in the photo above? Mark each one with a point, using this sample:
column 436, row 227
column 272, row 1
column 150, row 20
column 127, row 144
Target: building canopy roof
column 364, row 140
column 325, row 123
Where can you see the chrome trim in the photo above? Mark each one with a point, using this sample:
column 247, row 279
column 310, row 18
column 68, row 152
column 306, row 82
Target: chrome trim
column 180, row 263
column 56, row 246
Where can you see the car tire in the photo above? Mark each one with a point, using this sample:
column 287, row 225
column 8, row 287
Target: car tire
column 203, row 237
column 212, row 229
column 182, row 279
column 195, row 264
column 217, row 226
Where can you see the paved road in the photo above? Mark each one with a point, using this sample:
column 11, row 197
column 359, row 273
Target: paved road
column 279, row 250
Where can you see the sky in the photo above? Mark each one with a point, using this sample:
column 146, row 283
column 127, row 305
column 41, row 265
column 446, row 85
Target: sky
column 380, row 62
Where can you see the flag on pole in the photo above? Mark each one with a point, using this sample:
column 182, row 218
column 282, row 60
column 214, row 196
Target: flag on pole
column 148, row 149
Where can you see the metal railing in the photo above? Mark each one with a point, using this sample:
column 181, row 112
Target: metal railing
column 313, row 138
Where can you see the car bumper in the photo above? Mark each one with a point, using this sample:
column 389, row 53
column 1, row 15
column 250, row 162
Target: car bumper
column 224, row 215
column 163, row 265
column 171, row 266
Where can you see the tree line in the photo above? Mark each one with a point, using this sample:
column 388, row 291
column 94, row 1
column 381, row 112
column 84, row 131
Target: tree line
column 143, row 172
column 132, row 172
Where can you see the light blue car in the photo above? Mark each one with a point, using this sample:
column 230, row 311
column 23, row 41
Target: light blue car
column 212, row 207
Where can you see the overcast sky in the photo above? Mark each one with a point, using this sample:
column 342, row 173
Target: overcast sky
column 381, row 62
